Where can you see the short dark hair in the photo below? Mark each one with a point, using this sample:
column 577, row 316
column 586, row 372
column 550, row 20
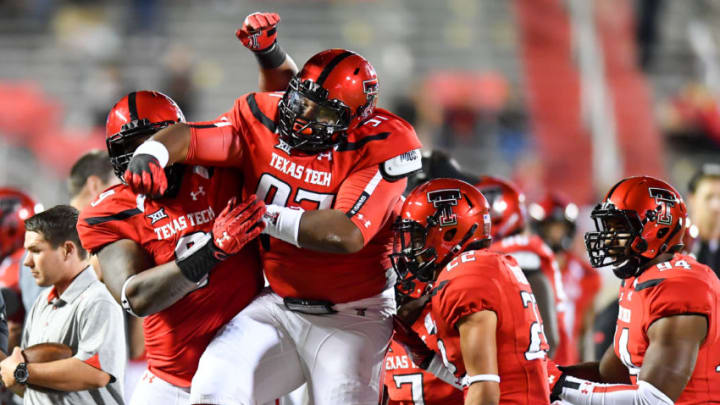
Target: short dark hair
column 705, row 171
column 57, row 225
column 94, row 163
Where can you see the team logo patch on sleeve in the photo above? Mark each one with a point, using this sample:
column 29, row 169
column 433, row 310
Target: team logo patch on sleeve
column 401, row 165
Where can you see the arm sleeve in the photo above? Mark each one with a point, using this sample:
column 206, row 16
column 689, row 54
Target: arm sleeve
column 219, row 142
column 678, row 296
column 466, row 295
column 368, row 199
column 102, row 337
column 583, row 392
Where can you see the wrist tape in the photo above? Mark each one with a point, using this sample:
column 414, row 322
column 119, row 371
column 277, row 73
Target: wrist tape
column 271, row 57
column 197, row 262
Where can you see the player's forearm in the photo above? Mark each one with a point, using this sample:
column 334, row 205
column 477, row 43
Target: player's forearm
column 483, row 393
column 587, row 371
column 329, row 230
column 277, row 79
column 176, row 138
column 67, row 375
column 155, row 289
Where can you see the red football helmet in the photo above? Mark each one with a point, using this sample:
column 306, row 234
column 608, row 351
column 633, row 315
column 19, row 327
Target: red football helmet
column 507, row 206
column 15, row 208
column 554, row 208
column 639, row 219
column 132, row 120
column 334, row 92
column 438, row 220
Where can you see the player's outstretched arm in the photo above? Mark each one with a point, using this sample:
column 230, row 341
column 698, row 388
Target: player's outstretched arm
column 667, row 367
column 259, row 34
column 143, row 289
column 329, row 231
column 360, row 210
column 151, row 288
column 479, row 352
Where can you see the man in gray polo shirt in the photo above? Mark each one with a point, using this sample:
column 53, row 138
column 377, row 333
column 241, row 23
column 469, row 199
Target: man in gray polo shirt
column 78, row 311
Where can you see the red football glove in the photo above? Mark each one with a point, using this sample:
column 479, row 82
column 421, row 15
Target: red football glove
column 238, row 224
column 259, row 31
column 144, row 175
column 420, row 354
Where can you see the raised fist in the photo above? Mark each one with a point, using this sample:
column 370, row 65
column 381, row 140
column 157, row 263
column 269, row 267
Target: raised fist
column 259, row 31
column 237, row 225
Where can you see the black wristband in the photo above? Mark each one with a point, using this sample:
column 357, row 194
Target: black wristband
column 272, row 57
column 197, row 265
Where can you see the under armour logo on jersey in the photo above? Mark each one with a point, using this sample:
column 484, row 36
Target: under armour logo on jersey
column 444, row 200
column 283, row 146
column 323, row 155
column 365, row 221
column 194, row 194
column 157, row 215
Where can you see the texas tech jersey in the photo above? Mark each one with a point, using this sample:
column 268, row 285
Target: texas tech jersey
column 581, row 283
column 531, row 254
column 482, row 280
column 408, row 384
column 176, row 336
column 676, row 287
column 363, row 177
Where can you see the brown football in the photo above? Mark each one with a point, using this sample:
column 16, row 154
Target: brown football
column 44, row 352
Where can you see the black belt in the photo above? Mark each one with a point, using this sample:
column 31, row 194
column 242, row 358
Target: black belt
column 312, row 307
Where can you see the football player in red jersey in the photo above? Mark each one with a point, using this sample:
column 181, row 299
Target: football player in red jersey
column 511, row 235
column 156, row 253
column 667, row 340
column 15, row 207
column 332, row 169
column 553, row 218
column 482, row 312
column 406, row 383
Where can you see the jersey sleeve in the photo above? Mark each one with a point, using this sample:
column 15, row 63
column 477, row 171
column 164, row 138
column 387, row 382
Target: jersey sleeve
column 677, row 296
column 468, row 294
column 105, row 223
column 219, row 142
column 368, row 199
column 527, row 260
column 388, row 142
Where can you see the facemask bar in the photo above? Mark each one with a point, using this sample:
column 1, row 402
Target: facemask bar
column 311, row 134
column 409, row 252
column 616, row 231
